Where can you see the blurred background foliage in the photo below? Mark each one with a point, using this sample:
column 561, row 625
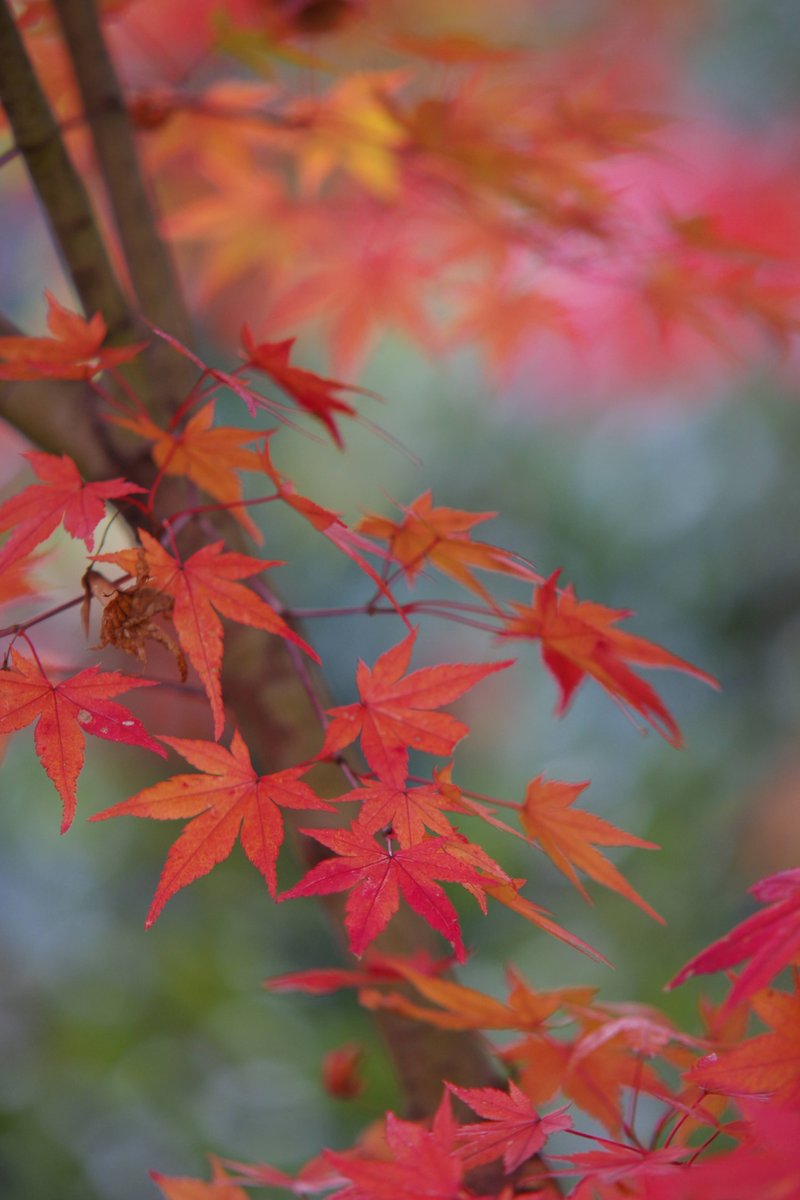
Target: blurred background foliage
column 125, row 1051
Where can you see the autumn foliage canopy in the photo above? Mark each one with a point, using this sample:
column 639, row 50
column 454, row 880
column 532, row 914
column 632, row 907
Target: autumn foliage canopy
column 350, row 167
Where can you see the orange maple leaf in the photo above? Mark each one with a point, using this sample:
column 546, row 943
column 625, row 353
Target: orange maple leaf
column 229, row 800
column 36, row 511
column 219, row 1187
column 442, row 537
column 353, row 129
column 578, row 638
column 202, row 586
column 593, row 1080
column 211, row 457
column 462, row 1007
column 73, row 352
column 569, row 836
column 64, row 712
column 395, row 712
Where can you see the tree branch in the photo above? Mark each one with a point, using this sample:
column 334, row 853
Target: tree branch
column 148, row 261
column 58, row 185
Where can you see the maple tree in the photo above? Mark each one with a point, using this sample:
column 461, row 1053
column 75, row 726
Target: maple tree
column 482, row 210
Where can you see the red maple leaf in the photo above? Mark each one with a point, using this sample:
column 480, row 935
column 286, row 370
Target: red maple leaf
column 229, row 800
column 511, row 1128
column 314, row 393
column 765, row 1165
column 64, row 712
column 407, row 811
column 396, row 713
column 36, row 511
column 568, row 837
column 770, row 939
column 421, row 1163
column 578, row 638
column 379, row 875
column 202, row 586
column 73, row 352
column 766, row 1065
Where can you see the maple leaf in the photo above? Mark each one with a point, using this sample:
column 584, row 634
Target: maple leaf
column 129, row 614
column 210, row 456
column 568, row 837
column 376, row 968
column 396, row 713
column 219, row 1187
column 379, row 875
column 64, row 712
column 466, row 1008
column 421, row 1163
column 314, row 393
column 227, row 801
column 764, row 1165
column 511, row 1129
column 617, row 1163
column 594, row 1081
column 578, row 639
column 770, row 939
column 766, row 1065
column 36, row 511
column 407, row 811
column 374, row 274
column 202, row 586
column 441, row 536
column 593, row 1068
column 353, row 128
column 73, row 352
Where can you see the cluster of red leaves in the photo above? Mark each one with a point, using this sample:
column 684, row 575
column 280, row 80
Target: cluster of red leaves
column 403, row 842
column 600, row 1059
column 357, row 205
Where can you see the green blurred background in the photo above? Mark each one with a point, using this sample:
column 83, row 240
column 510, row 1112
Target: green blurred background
column 125, row 1051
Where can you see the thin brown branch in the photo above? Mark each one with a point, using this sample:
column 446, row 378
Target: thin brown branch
column 58, row 185
column 146, row 255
